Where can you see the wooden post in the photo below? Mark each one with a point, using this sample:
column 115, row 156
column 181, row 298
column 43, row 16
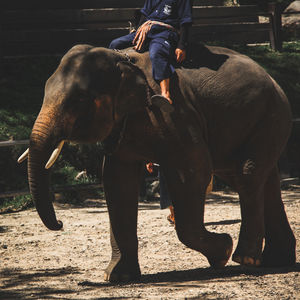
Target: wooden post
column 1, row 45
column 276, row 27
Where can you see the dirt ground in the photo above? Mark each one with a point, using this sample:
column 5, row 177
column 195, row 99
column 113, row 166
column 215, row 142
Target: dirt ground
column 36, row 263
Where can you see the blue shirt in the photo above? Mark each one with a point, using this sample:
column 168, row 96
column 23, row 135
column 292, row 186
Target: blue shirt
column 172, row 12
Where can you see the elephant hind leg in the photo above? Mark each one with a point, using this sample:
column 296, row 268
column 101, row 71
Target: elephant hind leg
column 280, row 242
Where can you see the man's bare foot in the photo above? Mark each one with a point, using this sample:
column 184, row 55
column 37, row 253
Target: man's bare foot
column 162, row 103
column 167, row 96
column 165, row 89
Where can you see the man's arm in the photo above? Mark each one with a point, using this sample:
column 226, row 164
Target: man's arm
column 180, row 52
column 184, row 36
column 185, row 15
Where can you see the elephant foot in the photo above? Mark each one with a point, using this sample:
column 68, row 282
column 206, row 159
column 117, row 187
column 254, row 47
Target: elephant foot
column 221, row 252
column 119, row 271
column 246, row 260
column 216, row 247
column 248, row 256
column 278, row 257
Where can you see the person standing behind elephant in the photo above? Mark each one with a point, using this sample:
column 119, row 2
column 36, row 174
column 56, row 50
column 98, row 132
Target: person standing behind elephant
column 163, row 30
column 164, row 198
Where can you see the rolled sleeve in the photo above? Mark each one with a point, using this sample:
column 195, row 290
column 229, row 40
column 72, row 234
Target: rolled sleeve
column 185, row 11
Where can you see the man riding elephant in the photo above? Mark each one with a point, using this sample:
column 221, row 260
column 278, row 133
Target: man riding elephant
column 163, row 30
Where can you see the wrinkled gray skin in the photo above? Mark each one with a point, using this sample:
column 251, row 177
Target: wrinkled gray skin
column 231, row 119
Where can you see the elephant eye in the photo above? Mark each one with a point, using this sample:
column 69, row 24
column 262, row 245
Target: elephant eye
column 79, row 97
column 77, row 101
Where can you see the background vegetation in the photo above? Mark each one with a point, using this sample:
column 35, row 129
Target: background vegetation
column 21, row 92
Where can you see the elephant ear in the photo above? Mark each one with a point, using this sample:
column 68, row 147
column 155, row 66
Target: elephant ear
column 134, row 92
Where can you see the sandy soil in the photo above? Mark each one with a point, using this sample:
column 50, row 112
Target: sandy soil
column 36, row 263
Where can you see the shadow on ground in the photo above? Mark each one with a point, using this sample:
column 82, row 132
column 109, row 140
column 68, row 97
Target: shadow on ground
column 25, row 284
column 224, row 222
column 22, row 284
column 202, row 275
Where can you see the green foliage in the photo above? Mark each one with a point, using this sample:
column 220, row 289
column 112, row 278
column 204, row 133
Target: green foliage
column 77, row 197
column 16, row 204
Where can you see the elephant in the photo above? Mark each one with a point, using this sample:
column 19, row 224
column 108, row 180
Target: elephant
column 229, row 118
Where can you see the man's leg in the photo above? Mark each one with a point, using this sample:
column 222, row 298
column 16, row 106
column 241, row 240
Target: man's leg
column 165, row 200
column 122, row 42
column 161, row 53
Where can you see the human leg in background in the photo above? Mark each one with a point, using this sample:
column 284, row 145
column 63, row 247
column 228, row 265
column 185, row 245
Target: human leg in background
column 171, row 216
column 165, row 200
column 143, row 193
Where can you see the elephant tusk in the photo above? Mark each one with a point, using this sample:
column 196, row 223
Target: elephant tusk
column 54, row 155
column 24, row 156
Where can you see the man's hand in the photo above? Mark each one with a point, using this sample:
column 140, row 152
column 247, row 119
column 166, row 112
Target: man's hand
column 149, row 167
column 180, row 55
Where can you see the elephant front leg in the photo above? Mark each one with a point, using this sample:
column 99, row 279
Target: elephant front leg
column 121, row 182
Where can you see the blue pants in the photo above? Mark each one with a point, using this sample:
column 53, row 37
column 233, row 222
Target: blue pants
column 165, row 200
column 161, row 44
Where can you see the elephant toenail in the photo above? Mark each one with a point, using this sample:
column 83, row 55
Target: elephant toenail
column 112, row 277
column 223, row 263
column 248, row 260
column 220, row 264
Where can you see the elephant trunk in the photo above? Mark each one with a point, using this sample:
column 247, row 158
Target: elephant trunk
column 40, row 148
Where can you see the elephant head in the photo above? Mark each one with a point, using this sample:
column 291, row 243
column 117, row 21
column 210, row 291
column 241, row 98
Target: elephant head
column 91, row 91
